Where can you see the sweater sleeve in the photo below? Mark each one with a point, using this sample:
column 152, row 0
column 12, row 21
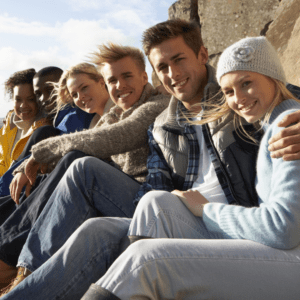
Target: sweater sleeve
column 106, row 140
column 276, row 222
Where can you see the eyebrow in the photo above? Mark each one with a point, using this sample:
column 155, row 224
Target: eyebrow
column 241, row 79
column 172, row 58
column 113, row 77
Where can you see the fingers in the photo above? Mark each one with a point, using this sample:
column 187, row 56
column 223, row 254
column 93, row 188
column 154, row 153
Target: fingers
column 290, row 119
column 28, row 189
column 289, row 132
column 288, row 153
column 44, row 168
column 31, row 170
column 12, row 189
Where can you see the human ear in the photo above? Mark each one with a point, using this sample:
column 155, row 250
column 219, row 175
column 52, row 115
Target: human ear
column 203, row 55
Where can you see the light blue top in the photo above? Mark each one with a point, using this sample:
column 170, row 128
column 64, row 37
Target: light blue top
column 276, row 222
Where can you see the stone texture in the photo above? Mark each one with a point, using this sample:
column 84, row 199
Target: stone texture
column 224, row 22
column 184, row 9
column 284, row 34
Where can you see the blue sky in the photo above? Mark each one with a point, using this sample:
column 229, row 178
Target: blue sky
column 36, row 34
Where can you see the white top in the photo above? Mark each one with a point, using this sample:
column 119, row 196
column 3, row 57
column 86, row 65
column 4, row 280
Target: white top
column 207, row 182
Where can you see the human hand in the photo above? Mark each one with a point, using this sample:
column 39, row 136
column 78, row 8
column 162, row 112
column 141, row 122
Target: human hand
column 286, row 143
column 32, row 168
column 16, row 186
column 193, row 200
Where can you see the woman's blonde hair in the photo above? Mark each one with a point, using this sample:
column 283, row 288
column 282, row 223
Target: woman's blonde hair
column 217, row 108
column 60, row 91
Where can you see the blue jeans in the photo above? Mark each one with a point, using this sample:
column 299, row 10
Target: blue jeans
column 190, row 262
column 90, row 188
column 82, row 260
column 187, row 262
column 17, row 220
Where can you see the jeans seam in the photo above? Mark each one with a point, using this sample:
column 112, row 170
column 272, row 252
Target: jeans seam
column 76, row 279
column 25, row 264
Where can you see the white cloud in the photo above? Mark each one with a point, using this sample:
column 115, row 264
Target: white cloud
column 78, row 5
column 14, row 25
column 81, row 36
column 13, row 59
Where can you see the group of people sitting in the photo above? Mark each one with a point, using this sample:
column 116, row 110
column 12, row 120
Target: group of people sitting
column 112, row 189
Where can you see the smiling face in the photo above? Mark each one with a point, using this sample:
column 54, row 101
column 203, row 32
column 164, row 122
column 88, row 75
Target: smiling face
column 88, row 94
column 25, row 106
column 125, row 81
column 249, row 94
column 43, row 89
column 182, row 73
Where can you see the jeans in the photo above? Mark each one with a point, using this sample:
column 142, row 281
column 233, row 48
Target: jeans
column 82, row 260
column 90, row 188
column 177, row 266
column 189, row 262
column 17, row 220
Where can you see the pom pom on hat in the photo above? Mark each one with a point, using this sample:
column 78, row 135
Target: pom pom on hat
column 255, row 54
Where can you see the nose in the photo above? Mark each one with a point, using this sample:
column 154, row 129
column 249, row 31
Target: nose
column 81, row 96
column 23, row 104
column 120, row 84
column 240, row 96
column 174, row 71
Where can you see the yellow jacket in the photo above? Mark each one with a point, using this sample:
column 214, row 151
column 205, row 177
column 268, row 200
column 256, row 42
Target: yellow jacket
column 9, row 131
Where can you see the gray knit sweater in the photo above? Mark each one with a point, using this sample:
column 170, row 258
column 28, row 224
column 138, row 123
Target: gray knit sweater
column 119, row 135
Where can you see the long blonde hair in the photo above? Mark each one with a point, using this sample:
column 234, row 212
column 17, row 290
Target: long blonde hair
column 60, row 90
column 217, row 108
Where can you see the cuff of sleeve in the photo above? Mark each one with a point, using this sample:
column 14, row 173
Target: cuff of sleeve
column 96, row 292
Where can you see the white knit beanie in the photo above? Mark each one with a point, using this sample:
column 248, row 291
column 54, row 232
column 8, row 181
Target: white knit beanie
column 255, row 54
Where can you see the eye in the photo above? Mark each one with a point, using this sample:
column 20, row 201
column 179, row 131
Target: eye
column 228, row 92
column 112, row 81
column 162, row 68
column 178, row 59
column 74, row 96
column 246, row 83
column 84, row 88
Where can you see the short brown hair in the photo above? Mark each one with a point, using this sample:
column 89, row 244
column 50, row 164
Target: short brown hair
column 113, row 52
column 190, row 31
column 21, row 77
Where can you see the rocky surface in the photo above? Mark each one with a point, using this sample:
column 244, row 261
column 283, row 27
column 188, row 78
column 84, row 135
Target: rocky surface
column 224, row 22
column 284, row 34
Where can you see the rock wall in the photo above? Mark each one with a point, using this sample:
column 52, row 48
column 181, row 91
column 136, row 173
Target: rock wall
column 224, row 22
column 284, row 34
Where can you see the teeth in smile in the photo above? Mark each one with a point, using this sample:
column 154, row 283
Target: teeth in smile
column 124, row 95
column 249, row 106
column 181, row 83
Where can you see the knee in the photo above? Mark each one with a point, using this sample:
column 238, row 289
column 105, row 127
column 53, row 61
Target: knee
column 143, row 250
column 82, row 164
column 85, row 232
column 72, row 156
column 155, row 199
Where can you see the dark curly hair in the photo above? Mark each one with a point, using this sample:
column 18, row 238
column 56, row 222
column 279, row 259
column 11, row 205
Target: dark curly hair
column 21, row 77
